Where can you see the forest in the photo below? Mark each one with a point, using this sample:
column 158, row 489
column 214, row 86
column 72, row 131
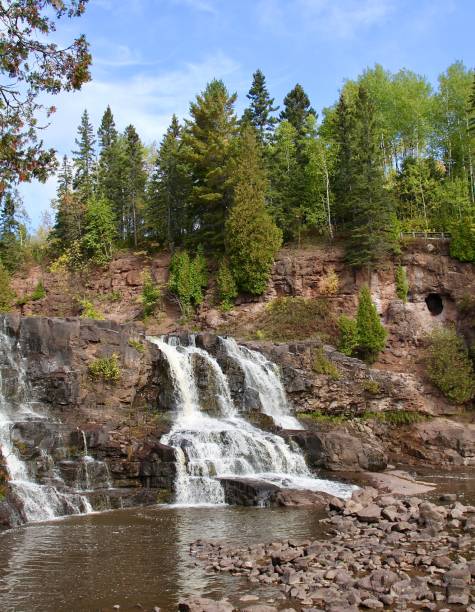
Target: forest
column 392, row 155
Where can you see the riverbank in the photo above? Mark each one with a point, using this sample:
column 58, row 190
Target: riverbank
column 385, row 552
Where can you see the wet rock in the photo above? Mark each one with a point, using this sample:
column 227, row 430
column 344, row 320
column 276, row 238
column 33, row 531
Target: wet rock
column 202, row 604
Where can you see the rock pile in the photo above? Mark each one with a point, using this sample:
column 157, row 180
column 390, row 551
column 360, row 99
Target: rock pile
column 384, row 553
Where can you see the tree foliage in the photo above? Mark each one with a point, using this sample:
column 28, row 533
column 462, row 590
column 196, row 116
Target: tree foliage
column 30, row 64
column 252, row 239
column 370, row 332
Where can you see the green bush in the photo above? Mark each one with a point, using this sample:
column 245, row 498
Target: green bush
column 371, row 386
column 370, row 331
column 402, row 284
column 89, row 311
column 448, row 365
column 395, row 417
column 39, row 292
column 105, row 368
column 187, row 279
column 462, row 244
column 226, row 285
column 348, row 336
column 323, row 365
column 319, row 417
column 151, row 295
column 7, row 295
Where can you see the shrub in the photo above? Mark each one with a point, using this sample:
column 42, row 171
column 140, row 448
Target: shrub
column 448, row 365
column 348, row 340
column 462, row 244
column 105, row 368
column 371, row 386
column 395, row 417
column 227, row 289
column 7, row 295
column 323, row 365
column 329, row 284
column 89, row 311
column 402, row 284
column 318, row 416
column 151, row 294
column 370, row 331
column 39, row 292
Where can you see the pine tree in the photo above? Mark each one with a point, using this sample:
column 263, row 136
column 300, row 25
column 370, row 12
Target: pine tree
column 134, row 187
column 368, row 204
column 342, row 126
column 226, row 286
column 370, row 332
column 208, row 142
column 10, row 230
column 259, row 113
column 297, row 109
column 252, row 238
column 84, row 159
column 168, row 191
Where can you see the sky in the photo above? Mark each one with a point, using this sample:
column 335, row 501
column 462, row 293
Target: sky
column 151, row 57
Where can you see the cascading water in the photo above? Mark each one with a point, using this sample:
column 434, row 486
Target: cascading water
column 39, row 501
column 262, row 376
column 208, row 448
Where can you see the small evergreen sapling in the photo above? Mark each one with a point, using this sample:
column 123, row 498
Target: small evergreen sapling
column 370, row 331
column 227, row 289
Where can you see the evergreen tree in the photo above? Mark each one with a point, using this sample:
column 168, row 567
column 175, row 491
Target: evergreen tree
column 252, row 238
column 134, row 186
column 11, row 231
column 84, row 159
column 342, row 129
column 168, row 191
column 226, row 286
column 370, row 332
column 261, row 107
column 368, row 203
column 297, row 109
column 208, row 142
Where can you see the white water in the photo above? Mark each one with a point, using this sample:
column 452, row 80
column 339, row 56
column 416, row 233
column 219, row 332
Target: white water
column 208, row 448
column 40, row 502
column 262, row 376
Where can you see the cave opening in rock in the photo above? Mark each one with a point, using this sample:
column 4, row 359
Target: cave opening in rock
column 435, row 305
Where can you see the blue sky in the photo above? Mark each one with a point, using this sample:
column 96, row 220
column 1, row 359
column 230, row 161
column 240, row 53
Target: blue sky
column 151, row 57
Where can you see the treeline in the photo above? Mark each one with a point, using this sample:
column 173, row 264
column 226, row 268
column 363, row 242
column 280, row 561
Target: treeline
column 391, row 155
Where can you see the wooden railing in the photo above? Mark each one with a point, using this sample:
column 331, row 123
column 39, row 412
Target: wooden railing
column 427, row 235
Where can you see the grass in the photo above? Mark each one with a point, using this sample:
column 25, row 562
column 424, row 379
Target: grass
column 396, row 418
column 39, row 292
column 137, row 345
column 296, row 318
column 323, row 365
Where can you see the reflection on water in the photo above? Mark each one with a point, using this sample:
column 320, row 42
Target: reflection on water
column 132, row 556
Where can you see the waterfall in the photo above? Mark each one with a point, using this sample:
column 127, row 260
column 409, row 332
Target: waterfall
column 262, row 376
column 208, row 448
column 39, row 501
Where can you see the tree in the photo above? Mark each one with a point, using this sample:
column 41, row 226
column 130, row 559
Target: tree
column 84, row 159
column 368, row 204
column 252, row 238
column 297, row 109
column 107, row 139
column 208, row 139
column 370, row 332
column 169, row 190
column 70, row 211
column 134, row 186
column 12, row 230
column 30, row 65
column 259, row 113
column 97, row 242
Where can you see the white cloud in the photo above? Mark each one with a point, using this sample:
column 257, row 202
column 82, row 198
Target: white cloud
column 333, row 18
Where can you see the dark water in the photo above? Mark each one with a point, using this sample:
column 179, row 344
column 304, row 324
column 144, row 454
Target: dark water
column 129, row 557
